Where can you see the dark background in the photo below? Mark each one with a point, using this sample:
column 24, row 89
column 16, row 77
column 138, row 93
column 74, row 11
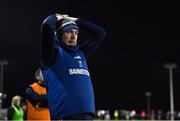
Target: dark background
column 141, row 36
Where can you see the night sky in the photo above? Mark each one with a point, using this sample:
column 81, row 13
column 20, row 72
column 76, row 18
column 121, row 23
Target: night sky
column 141, row 38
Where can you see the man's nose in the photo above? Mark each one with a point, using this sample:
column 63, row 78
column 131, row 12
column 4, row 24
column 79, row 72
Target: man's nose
column 73, row 35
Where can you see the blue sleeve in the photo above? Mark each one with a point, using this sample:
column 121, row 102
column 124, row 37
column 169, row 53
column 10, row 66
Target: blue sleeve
column 48, row 51
column 36, row 99
column 97, row 35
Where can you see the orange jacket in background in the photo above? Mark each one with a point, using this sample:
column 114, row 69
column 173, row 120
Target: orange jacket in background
column 33, row 111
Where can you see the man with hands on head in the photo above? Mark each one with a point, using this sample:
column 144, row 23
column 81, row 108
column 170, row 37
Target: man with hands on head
column 69, row 87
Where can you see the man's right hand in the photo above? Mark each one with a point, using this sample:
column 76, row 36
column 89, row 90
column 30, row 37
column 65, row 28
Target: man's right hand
column 61, row 16
column 71, row 18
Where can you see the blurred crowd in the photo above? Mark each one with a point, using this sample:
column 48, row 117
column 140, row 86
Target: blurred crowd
column 134, row 115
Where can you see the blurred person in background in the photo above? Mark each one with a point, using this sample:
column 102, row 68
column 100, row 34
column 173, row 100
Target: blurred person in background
column 37, row 105
column 15, row 111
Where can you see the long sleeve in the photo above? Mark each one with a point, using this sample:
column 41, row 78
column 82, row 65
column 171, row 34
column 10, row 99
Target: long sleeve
column 36, row 99
column 97, row 35
column 48, row 50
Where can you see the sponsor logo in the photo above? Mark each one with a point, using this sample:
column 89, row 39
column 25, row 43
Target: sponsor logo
column 79, row 71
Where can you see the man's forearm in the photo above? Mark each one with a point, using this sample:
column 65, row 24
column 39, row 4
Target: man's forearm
column 47, row 36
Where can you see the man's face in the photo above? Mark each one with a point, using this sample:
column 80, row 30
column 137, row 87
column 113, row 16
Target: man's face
column 70, row 37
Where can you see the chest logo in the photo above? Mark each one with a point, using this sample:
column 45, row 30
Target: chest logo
column 80, row 63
